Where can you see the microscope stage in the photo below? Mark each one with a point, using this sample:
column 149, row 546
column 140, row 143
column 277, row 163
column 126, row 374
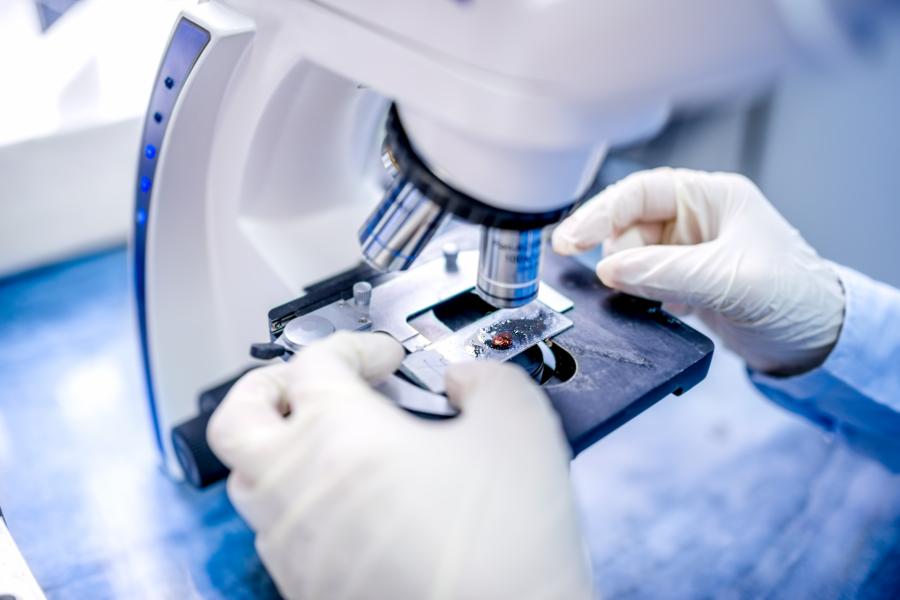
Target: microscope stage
column 602, row 357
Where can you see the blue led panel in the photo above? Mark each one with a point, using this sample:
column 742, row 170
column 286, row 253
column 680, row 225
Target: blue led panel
column 185, row 47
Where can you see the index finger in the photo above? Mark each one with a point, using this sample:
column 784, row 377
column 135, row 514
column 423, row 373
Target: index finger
column 643, row 197
column 345, row 357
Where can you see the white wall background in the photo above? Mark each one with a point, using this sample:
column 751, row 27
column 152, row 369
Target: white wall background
column 71, row 107
column 832, row 160
column 828, row 154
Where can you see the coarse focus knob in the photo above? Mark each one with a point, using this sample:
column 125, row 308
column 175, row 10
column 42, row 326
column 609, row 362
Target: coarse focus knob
column 200, row 466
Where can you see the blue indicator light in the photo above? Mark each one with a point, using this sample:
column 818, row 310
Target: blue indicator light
column 169, row 82
column 141, row 216
column 150, row 151
column 157, row 117
column 145, row 183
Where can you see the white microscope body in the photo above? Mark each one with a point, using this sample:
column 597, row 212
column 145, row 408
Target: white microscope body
column 263, row 139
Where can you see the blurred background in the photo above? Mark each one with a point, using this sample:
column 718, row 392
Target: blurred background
column 76, row 78
column 715, row 494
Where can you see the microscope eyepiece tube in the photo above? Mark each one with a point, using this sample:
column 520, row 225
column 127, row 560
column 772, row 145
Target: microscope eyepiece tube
column 400, row 227
column 509, row 266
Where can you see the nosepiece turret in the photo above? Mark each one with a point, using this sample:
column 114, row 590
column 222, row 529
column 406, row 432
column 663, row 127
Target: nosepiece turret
column 418, row 203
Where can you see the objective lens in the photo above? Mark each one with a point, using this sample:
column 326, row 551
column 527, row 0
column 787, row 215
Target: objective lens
column 509, row 266
column 402, row 224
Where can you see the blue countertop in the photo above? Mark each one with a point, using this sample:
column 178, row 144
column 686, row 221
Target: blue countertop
column 714, row 494
column 80, row 482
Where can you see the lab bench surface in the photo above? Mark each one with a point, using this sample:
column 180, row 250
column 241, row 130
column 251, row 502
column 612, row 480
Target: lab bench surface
column 713, row 494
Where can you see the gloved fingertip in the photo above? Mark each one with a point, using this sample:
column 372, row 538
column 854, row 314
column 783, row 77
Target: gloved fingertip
column 608, row 272
column 372, row 356
column 227, row 441
column 589, row 225
column 384, row 355
column 217, row 436
column 462, row 379
column 458, row 379
column 563, row 242
column 483, row 387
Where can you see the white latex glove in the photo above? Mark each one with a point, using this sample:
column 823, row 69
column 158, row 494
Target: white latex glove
column 351, row 497
column 711, row 241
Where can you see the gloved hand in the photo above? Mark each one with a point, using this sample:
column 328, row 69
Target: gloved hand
column 351, row 497
column 713, row 242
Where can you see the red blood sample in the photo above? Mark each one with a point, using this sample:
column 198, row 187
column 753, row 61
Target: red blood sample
column 502, row 340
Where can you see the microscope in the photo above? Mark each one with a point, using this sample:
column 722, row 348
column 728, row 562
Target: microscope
column 309, row 166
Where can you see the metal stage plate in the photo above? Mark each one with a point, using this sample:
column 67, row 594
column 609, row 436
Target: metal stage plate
column 628, row 353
